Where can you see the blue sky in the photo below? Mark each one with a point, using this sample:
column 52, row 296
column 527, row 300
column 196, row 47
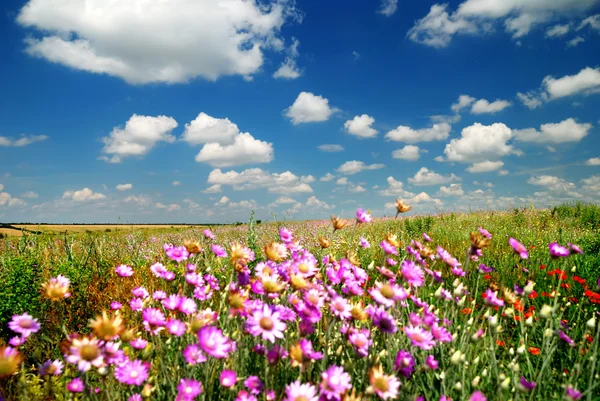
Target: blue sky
column 200, row 111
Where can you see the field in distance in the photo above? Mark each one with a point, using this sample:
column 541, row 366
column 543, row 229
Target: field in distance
column 82, row 228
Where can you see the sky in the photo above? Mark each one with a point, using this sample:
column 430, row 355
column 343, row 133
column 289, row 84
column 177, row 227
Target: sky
column 200, row 111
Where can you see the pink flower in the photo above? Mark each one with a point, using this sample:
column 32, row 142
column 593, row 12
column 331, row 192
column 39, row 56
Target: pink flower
column 228, row 378
column 388, row 248
column 335, row 383
column 75, row 385
column 188, row 390
column 115, row 305
column 193, row 355
column 300, row 392
column 219, row 251
column 208, row 234
column 132, row 372
column 339, row 307
column 412, row 273
column 387, row 294
column 419, row 337
column 178, row 253
column 558, row 251
column 518, row 248
column 24, row 324
column 176, row 327
column 213, row 342
column 265, row 323
column 124, row 271
column 138, row 343
column 362, row 216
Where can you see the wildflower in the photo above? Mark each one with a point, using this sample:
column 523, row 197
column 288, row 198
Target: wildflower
column 340, row 307
column 276, row 251
column 478, row 396
column 188, row 390
column 213, row 342
column 385, row 386
column 243, row 395
column 138, row 343
column 440, row 333
column 361, row 341
column 401, row 207
column 300, row 392
column 107, row 328
column 392, row 239
column 187, row 306
column 132, row 372
column 154, row 320
column 479, row 241
column 427, row 238
column 76, row 385
column 124, row 271
column 575, row 248
column 431, row 363
column 57, row 288
column 115, row 305
column 266, row 323
column 208, row 234
column 363, row 216
column 240, row 255
column 24, row 324
column 525, row 385
column 218, row 250
column 492, row 299
column 335, row 383
column 178, row 253
column 563, row 336
column 85, row 353
column 364, row 243
column 135, row 397
column 558, row 251
column 572, row 394
column 412, row 273
column 176, row 327
column 383, row 320
column 447, row 258
column 387, row 294
column 303, row 352
column 254, row 385
column 485, row 233
column 419, row 337
column 388, row 248
column 9, row 361
column 519, row 248
column 324, row 242
column 338, row 223
column 140, row 292
column 50, row 367
column 158, row 270
column 228, row 378
column 192, row 247
column 404, row 363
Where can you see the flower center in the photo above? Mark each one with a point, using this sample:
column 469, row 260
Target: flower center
column 303, row 267
column 89, row 352
column 301, row 398
column 381, row 384
column 387, row 291
column 26, row 324
column 266, row 323
column 133, row 374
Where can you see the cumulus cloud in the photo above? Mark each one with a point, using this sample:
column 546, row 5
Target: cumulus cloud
column 284, row 200
column 585, row 82
column 594, row 161
column 360, row 126
column 22, row 141
column 314, row 202
column 485, row 167
column 388, row 7
column 224, row 200
column 245, row 149
column 429, row 177
column 591, row 185
column 395, row 188
column 140, row 200
column 450, row 190
column 565, row 131
column 206, row 129
column 9, row 201
column 355, row 166
column 27, row 195
column 289, row 69
column 138, row 137
column 530, row 99
column 439, row 26
column 592, row 21
column 438, row 132
column 255, row 178
column 331, row 148
column 479, row 143
column 176, row 183
column 169, row 208
column 409, row 152
column 213, row 189
column 554, row 184
column 83, row 195
column 462, row 102
column 342, row 181
column 482, row 106
column 327, row 177
column 308, row 108
column 156, row 40
column 124, row 187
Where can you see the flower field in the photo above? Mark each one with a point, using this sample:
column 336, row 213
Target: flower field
column 477, row 306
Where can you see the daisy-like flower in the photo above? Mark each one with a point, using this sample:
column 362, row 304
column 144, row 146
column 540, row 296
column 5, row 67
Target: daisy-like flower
column 187, row 306
column 178, row 253
column 138, row 343
column 243, row 395
column 276, row 251
column 240, row 256
column 115, row 305
column 76, row 386
column 427, row 238
column 213, row 342
column 401, row 207
column 364, row 243
column 492, row 299
column 228, row 378
column 85, row 352
column 335, row 383
column 57, row 288
column 485, row 269
column 382, row 319
column 388, row 248
column 132, row 372
column 300, row 392
column 575, row 248
column 208, row 234
column 340, row 307
column 176, row 327
column 24, row 324
column 193, row 355
column 135, row 397
column 485, row 233
column 387, row 294
column 286, row 235
column 431, row 363
column 572, row 394
column 362, row 216
column 154, row 320
column 9, row 361
column 519, row 248
column 412, row 273
column 447, row 258
column 478, row 396
column 140, row 292
column 441, row 334
column 171, row 302
column 303, row 352
column 254, row 385
column 106, row 327
column 188, row 390
column 159, row 295
column 405, row 363
column 124, row 271
column 265, row 323
column 158, row 270
column 218, row 250
column 558, row 251
column 361, row 341
column 385, row 386
column 419, row 337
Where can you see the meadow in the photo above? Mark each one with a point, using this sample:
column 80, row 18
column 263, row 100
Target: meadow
column 477, row 306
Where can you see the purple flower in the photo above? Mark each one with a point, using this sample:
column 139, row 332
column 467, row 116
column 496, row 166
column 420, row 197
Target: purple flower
column 447, row 258
column 208, row 234
column 492, row 299
column 219, row 251
column 124, row 271
column 339, row 307
column 193, row 355
column 518, row 248
column 558, row 251
column 308, row 352
column 176, row 327
column 49, row 367
column 364, row 243
column 525, row 385
column 361, row 341
column 243, row 395
column 76, row 385
column 412, row 273
column 132, row 372
column 485, row 269
column 140, row 292
column 115, row 305
column 228, row 378
column 383, row 320
column 263, row 322
column 485, row 233
column 135, row 397
column 427, row 238
column 572, row 394
column 138, row 343
column 441, row 334
column 566, row 338
column 213, row 342
column 387, row 294
column 17, row 341
column 405, row 363
column 254, row 384
column 24, row 324
column 178, row 253
column 188, row 390
column 187, row 306
column 431, row 363
column 286, row 235
column 335, row 383
column 388, row 248
column 477, row 396
column 419, row 337
column 362, row 216
column 575, row 248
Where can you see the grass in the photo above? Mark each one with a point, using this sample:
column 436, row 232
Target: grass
column 492, row 347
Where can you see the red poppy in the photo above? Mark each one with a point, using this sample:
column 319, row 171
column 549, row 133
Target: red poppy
column 542, row 267
column 534, row 351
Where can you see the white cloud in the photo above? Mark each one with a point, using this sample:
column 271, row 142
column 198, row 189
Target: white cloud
column 314, row 202
column 307, row 179
column 28, row 194
column 327, row 177
column 254, row 178
column 388, row 7
column 438, row 27
column 289, row 69
column 530, row 99
column 7, row 200
column 503, row 172
column 554, row 184
column 462, row 102
column 342, row 181
column 222, row 201
column 423, row 198
column 485, row 167
column 22, row 141
column 330, row 148
column 245, row 204
column 480, row 143
column 438, row 132
column 207, row 129
column 586, row 81
column 213, row 189
column 354, row 189
column 557, row 31
column 428, row 177
column 170, row 208
column 138, row 137
column 83, row 195
column 409, row 152
column 156, row 40
column 591, row 185
column 284, row 200
column 308, row 108
column 482, row 106
column 176, row 183
column 565, row 131
column 575, row 41
column 395, row 188
column 124, row 187
column 1, row 187
column 594, row 161
column 355, row 166
column 245, row 149
column 140, row 200
column 591, row 21
column 451, row 190
column 360, row 126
